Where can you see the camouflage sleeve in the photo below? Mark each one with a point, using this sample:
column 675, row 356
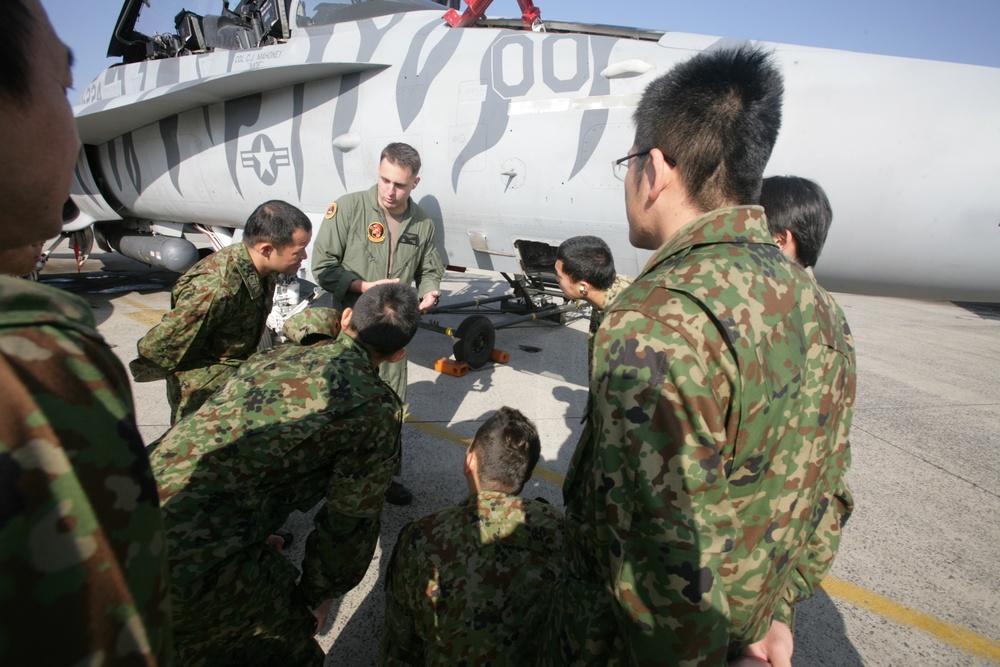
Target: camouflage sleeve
column 81, row 537
column 431, row 269
column 401, row 645
column 178, row 334
column 660, row 434
column 821, row 549
column 328, row 255
column 339, row 551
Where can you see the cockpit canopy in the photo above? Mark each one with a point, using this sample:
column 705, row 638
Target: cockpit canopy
column 148, row 29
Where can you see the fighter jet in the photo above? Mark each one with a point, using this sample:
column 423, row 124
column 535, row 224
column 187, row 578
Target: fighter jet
column 214, row 110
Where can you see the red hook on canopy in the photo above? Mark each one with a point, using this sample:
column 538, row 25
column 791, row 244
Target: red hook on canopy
column 477, row 9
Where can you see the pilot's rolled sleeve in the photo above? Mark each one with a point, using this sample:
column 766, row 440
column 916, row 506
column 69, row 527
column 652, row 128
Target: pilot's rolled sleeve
column 328, row 255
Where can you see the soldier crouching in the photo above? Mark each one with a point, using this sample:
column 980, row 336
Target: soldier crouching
column 294, row 425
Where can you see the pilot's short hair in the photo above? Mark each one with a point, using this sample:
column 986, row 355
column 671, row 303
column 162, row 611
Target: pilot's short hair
column 587, row 258
column 402, row 155
column 717, row 115
column 275, row 222
column 16, row 31
column 386, row 317
column 799, row 206
column 507, row 448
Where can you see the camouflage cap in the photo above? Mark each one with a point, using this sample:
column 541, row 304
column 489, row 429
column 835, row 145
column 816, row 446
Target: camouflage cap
column 324, row 321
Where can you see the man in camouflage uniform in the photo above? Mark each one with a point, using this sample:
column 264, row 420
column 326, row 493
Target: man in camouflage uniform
column 293, row 426
column 470, row 585
column 707, row 493
column 376, row 236
column 219, row 307
column 81, row 536
column 585, row 270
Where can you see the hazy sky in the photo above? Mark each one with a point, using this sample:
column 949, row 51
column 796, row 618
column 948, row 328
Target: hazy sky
column 956, row 30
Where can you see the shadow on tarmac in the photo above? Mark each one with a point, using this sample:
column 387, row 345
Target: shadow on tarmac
column 103, row 278
column 821, row 636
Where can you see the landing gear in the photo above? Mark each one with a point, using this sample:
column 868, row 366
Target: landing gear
column 474, row 342
column 532, row 299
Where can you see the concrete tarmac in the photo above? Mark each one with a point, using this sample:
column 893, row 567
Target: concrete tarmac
column 915, row 582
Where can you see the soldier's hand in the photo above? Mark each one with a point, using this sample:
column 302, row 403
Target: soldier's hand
column 430, row 300
column 774, row 649
column 321, row 612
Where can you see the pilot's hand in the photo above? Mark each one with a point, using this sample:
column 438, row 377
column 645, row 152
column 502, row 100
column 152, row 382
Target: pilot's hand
column 365, row 285
column 321, row 612
column 430, row 300
column 774, row 649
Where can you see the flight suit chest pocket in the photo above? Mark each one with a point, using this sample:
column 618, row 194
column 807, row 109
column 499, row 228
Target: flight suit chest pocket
column 407, row 251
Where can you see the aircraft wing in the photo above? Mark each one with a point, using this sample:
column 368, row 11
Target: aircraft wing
column 104, row 120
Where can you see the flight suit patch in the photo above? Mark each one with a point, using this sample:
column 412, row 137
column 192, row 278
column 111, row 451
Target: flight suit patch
column 376, row 232
column 409, row 238
column 331, row 211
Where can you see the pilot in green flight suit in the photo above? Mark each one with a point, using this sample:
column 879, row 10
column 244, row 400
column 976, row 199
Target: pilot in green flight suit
column 380, row 235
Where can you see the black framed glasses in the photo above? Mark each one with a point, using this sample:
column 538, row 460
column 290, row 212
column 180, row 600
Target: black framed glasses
column 621, row 165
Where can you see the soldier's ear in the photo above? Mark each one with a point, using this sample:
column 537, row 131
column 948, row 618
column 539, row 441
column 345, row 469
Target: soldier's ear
column 264, row 249
column 345, row 318
column 416, row 181
column 659, row 172
column 471, row 463
column 396, row 356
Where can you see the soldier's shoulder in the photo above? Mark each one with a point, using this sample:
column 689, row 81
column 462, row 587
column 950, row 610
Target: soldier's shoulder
column 832, row 321
column 348, row 203
column 27, row 304
column 654, row 298
column 23, row 302
column 543, row 509
column 434, row 529
column 220, row 271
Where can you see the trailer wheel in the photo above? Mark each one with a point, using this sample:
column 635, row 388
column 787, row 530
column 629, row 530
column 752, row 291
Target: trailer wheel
column 475, row 339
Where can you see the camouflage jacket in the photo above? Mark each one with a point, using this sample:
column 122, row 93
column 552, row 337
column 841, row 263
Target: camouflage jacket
column 216, row 318
column 707, row 491
column 354, row 243
column 293, row 426
column 597, row 316
column 81, row 539
column 470, row 585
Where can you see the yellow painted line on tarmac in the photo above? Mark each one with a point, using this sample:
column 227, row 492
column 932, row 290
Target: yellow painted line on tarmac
column 144, row 314
column 862, row 598
column 431, row 428
column 952, row 635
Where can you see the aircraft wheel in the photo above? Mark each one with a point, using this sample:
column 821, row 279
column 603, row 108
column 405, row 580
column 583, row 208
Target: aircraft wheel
column 475, row 340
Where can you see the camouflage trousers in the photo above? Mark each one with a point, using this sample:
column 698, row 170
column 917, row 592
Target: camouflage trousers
column 245, row 611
